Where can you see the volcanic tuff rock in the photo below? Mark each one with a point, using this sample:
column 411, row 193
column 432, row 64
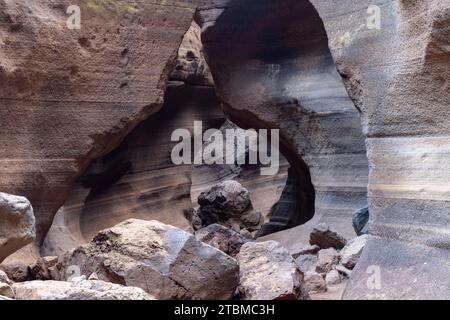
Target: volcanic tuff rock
column 17, row 224
column 77, row 289
column 70, row 96
column 222, row 238
column 398, row 78
column 268, row 272
column 165, row 261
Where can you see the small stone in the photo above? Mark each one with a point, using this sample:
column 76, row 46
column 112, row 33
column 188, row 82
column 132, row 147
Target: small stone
column 314, row 282
column 93, row 276
column 332, row 278
column 360, row 221
column 325, row 238
column 306, row 262
column 352, row 251
column 327, row 259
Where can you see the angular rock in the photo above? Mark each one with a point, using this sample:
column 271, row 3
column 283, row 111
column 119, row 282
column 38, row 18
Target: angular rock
column 352, row 251
column 304, row 250
column 228, row 203
column 222, row 238
column 4, row 278
column 79, row 289
column 306, row 262
column 325, row 238
column 327, row 259
column 17, row 271
column 17, row 224
column 268, row 272
column 360, row 220
column 165, row 261
column 314, row 282
column 332, row 278
column 44, row 268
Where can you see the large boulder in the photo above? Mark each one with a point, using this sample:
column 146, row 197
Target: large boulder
column 77, row 289
column 268, row 272
column 326, row 238
column 17, row 224
column 222, row 238
column 228, row 203
column 165, row 261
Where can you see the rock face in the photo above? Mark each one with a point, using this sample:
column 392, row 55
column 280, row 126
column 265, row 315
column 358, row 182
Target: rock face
column 17, row 224
column 71, row 96
column 283, row 76
column 78, row 289
column 268, row 272
column 325, row 238
column 44, row 268
column 222, row 238
column 165, row 261
column 228, row 203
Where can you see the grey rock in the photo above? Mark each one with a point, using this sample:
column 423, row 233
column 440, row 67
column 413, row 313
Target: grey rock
column 332, row 278
column 268, row 272
column 17, row 224
column 314, row 282
column 327, row 259
column 343, row 270
column 360, row 221
column 165, row 261
column 306, row 262
column 304, row 249
column 222, row 238
column 352, row 251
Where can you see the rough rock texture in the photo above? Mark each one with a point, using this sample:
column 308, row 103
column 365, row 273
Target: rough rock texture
column 78, row 289
column 273, row 72
column 222, row 238
column 300, row 250
column 5, row 286
column 70, row 96
column 325, row 238
column 306, row 262
column 17, row 224
column 352, row 251
column 327, row 259
column 332, row 278
column 44, row 269
column 165, row 261
column 228, row 203
column 138, row 179
column 268, row 272
column 314, row 282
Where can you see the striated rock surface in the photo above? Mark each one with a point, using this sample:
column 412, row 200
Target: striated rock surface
column 77, row 289
column 268, row 272
column 165, row 261
column 17, row 224
column 70, row 96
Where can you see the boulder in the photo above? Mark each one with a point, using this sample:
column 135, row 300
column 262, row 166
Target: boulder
column 314, row 282
column 268, row 272
column 44, row 268
column 78, row 289
column 332, row 278
column 17, row 224
column 352, row 251
column 360, row 220
column 322, row 236
column 222, row 238
column 165, row 261
column 4, row 278
column 228, row 203
column 327, row 259
column 306, row 262
column 17, row 271
column 6, row 290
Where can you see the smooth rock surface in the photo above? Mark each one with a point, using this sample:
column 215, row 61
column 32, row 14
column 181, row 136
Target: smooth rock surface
column 352, row 251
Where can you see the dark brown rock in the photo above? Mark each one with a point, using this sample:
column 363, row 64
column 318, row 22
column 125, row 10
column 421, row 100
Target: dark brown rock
column 325, row 238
